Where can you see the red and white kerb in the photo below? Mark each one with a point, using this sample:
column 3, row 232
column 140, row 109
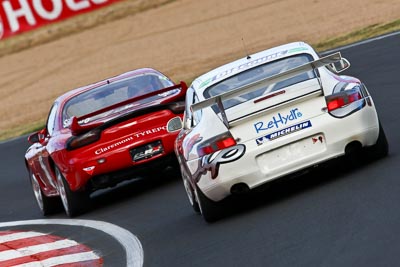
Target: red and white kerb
column 31, row 249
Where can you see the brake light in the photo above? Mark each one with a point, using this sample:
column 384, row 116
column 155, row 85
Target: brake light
column 342, row 99
column 83, row 140
column 218, row 143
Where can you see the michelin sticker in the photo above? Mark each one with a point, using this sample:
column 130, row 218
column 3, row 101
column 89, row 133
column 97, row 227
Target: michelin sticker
column 298, row 127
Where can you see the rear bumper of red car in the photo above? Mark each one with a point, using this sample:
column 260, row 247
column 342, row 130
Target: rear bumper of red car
column 154, row 168
column 87, row 169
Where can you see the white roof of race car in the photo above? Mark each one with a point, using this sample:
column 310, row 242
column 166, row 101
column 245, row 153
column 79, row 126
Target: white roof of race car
column 216, row 75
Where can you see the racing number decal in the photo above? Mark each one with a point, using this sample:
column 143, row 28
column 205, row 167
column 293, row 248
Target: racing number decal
column 211, row 162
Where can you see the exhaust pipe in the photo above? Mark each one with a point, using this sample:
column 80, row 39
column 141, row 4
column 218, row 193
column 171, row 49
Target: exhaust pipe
column 353, row 148
column 240, row 189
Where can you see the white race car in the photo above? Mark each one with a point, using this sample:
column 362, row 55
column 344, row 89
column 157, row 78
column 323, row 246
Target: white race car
column 268, row 115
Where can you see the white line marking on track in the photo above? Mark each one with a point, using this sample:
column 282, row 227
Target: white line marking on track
column 132, row 245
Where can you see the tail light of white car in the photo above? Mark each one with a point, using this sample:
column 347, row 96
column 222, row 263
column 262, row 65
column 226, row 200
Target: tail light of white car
column 217, row 143
column 346, row 102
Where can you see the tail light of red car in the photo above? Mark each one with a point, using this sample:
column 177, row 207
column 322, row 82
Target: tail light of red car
column 215, row 144
column 88, row 138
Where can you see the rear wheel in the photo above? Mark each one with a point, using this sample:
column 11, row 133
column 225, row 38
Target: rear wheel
column 381, row 148
column 191, row 196
column 210, row 210
column 74, row 203
column 47, row 205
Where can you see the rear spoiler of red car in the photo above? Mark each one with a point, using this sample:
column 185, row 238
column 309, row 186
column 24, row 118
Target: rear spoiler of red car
column 76, row 128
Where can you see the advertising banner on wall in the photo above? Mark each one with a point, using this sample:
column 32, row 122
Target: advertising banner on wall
column 17, row 16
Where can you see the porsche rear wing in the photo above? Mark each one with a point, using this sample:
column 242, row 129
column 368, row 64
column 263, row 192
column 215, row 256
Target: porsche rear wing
column 266, row 81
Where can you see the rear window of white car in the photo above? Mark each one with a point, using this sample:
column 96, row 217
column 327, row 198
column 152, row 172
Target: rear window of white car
column 260, row 72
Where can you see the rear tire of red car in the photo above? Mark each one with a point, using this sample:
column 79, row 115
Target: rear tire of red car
column 74, row 203
column 210, row 210
column 47, row 205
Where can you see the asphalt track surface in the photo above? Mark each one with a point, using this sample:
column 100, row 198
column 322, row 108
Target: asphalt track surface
column 345, row 214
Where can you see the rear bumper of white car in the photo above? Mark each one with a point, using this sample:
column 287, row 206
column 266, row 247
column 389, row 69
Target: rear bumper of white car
column 326, row 139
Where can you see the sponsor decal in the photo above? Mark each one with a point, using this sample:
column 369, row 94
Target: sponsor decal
column 278, row 120
column 295, row 128
column 151, row 131
column 112, row 146
column 212, row 162
column 190, row 142
column 17, row 16
column 297, row 49
column 245, row 66
column 130, row 138
column 251, row 64
column 320, row 138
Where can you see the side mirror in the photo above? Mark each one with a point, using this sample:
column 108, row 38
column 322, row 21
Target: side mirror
column 174, row 124
column 37, row 137
column 33, row 138
column 341, row 65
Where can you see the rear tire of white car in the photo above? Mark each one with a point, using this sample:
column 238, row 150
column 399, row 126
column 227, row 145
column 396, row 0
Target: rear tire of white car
column 47, row 205
column 381, row 148
column 210, row 210
column 191, row 195
column 74, row 203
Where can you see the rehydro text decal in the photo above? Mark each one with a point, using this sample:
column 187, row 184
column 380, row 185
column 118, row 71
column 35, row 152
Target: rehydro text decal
column 278, row 121
column 261, row 140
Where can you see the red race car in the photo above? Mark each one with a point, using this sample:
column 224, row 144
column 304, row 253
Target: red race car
column 101, row 134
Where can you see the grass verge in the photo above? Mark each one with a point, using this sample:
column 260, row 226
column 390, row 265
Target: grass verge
column 362, row 34
column 21, row 130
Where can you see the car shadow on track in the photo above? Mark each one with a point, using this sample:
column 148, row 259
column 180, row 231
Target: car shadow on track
column 287, row 187
column 131, row 189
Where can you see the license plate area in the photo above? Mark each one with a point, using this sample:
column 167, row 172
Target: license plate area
column 147, row 151
column 291, row 153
